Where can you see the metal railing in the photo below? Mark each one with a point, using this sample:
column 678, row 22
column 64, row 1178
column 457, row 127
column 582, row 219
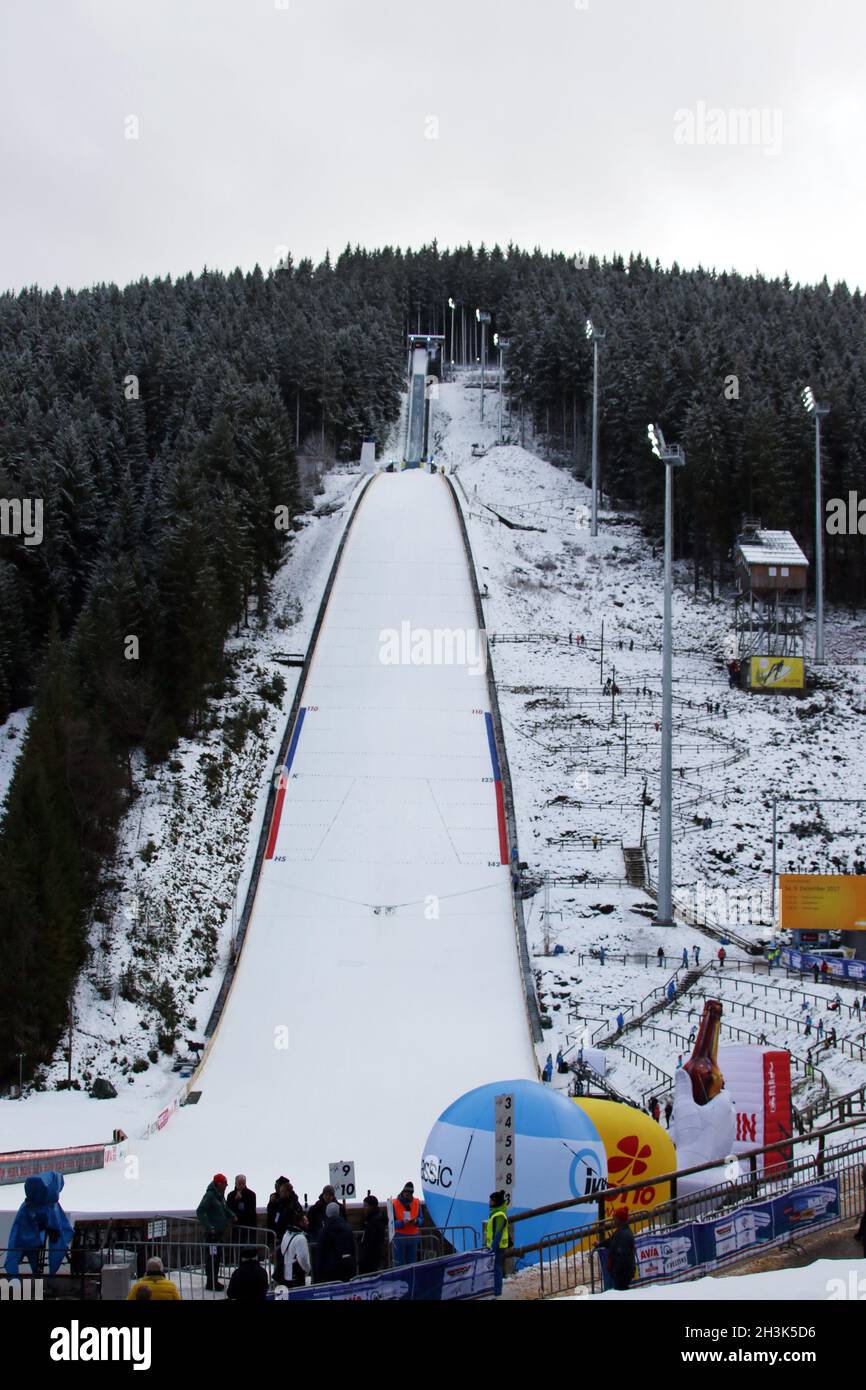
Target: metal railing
column 567, row 1260
column 186, row 1258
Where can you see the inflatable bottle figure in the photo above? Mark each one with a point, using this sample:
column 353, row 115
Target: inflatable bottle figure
column 703, row 1066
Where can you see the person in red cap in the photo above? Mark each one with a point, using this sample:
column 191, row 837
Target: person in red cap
column 213, row 1217
column 619, row 1245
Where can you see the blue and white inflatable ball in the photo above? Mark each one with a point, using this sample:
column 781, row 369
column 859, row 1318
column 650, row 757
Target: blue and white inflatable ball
column 558, row 1153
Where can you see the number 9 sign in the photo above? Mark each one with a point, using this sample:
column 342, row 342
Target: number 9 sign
column 342, row 1179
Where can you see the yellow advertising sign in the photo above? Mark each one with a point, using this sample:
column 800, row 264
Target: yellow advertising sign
column 823, row 902
column 776, row 673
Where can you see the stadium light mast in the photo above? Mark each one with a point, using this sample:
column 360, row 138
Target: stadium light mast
column 672, row 457
column 452, row 306
column 595, row 337
column 483, row 318
column 503, row 344
column 812, row 406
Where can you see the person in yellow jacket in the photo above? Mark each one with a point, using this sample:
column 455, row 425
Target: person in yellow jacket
column 496, row 1237
column 161, row 1290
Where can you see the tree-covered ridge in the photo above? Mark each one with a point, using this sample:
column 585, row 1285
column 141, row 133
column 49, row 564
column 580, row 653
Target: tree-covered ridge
column 160, row 426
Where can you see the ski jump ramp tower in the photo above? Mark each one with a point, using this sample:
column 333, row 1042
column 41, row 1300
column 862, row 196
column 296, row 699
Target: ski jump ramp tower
column 379, row 976
column 421, row 348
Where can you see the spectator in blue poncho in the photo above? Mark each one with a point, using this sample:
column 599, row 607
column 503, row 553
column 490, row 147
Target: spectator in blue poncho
column 39, row 1216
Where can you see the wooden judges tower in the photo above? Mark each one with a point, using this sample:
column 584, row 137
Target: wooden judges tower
column 769, row 608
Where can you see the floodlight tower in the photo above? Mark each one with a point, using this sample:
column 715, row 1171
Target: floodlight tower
column 503, row 344
column 452, row 306
column 672, row 457
column 483, row 318
column 595, row 337
column 812, row 406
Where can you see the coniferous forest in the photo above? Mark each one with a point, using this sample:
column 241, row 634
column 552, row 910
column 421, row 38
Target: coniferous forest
column 161, row 426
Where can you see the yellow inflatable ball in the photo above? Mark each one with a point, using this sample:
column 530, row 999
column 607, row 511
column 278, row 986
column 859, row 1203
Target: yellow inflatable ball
column 636, row 1147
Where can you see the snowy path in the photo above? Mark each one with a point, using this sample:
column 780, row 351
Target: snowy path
column 380, row 978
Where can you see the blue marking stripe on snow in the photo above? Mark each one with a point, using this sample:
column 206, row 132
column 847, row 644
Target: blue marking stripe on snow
column 494, row 758
column 290, row 756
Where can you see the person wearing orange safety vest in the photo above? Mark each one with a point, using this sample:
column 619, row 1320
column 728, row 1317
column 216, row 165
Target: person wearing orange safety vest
column 496, row 1237
column 407, row 1214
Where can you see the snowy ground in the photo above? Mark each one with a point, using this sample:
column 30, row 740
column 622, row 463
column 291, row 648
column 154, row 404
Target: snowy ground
column 821, row 1282
column 184, row 854
column 575, row 779
column 379, row 978
column 11, row 742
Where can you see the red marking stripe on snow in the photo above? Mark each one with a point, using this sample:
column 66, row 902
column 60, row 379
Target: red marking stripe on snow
column 500, row 816
column 275, row 822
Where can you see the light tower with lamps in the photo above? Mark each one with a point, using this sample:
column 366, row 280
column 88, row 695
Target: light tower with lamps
column 483, row 318
column 503, row 344
column 452, row 306
column 595, row 337
column 810, row 404
column 672, row 457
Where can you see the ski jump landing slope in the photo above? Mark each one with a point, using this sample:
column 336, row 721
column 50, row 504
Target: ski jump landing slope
column 379, row 979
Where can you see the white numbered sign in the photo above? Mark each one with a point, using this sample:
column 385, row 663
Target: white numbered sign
column 342, row 1179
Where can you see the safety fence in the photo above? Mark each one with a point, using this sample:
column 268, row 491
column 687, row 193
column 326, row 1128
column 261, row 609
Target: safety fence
column 99, row 1266
column 688, row 1236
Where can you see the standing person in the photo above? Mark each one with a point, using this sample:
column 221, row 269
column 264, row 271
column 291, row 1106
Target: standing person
column 672, row 989
column 669, row 1110
column 808, row 1032
column 297, row 1265
column 825, row 970
column 620, row 1022
column 815, row 970
column 249, row 1282
column 655, row 1109
column 547, row 1073
column 722, row 955
column 820, row 1027
column 856, row 1007
column 679, row 1061
column 697, row 951
column 860, row 1233
column 660, row 957
column 407, row 1211
column 496, row 1238
column 286, row 1214
column 335, row 1257
column 154, row 1285
column 685, row 958
column 316, row 1213
column 213, row 1217
column 241, row 1202
column 561, row 1066
column 620, row 1251
column 831, row 1037
column 693, row 1033
column 595, row 842
column 40, row 1223
column 373, row 1237
column 602, row 954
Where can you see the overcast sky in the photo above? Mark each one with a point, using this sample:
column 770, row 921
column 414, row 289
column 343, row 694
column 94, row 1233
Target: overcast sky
column 577, row 125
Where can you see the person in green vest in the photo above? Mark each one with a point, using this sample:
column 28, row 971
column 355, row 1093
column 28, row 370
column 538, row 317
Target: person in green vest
column 496, row 1237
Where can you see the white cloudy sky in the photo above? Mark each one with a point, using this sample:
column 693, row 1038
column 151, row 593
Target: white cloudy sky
column 307, row 123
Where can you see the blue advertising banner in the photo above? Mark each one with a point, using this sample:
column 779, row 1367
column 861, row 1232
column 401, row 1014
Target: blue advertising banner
column 838, row 968
column 702, row 1245
column 450, row 1279
column 805, row 1207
